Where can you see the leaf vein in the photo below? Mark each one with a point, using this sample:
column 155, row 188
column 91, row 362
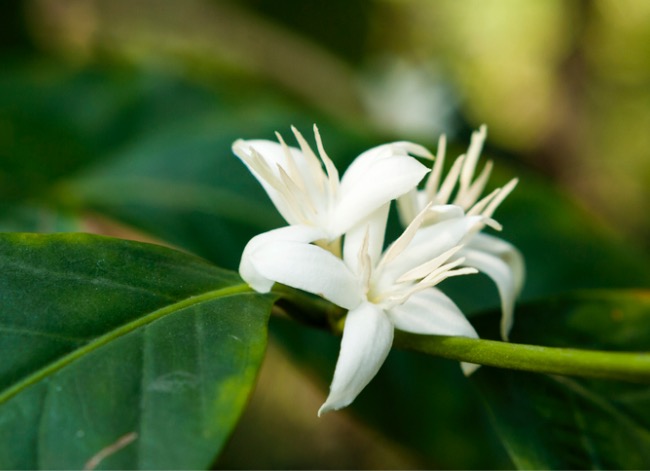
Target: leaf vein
column 106, row 338
column 34, row 333
column 94, row 279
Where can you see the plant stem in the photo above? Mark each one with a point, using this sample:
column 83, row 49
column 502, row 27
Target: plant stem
column 626, row 366
column 309, row 309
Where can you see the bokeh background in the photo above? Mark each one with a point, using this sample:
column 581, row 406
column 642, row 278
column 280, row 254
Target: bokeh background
column 99, row 98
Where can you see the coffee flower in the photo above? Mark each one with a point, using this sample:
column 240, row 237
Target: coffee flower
column 308, row 193
column 382, row 291
column 497, row 258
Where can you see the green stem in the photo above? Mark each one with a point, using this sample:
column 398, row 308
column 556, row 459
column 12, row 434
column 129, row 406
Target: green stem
column 310, row 309
column 626, row 366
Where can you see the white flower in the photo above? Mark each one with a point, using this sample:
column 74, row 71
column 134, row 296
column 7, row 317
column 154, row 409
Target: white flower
column 497, row 258
column 318, row 206
column 382, row 291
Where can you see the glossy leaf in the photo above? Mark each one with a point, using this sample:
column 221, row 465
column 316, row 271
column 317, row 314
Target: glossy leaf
column 119, row 354
column 549, row 422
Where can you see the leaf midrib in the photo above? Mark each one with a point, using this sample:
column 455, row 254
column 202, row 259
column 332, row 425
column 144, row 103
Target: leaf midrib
column 116, row 333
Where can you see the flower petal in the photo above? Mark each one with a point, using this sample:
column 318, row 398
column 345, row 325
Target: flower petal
column 367, row 159
column 431, row 312
column 304, row 266
column 504, row 250
column 469, row 368
column 258, row 247
column 504, row 264
column 374, row 182
column 367, row 339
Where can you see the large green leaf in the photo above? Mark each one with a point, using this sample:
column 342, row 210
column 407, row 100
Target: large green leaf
column 549, row 422
column 120, row 354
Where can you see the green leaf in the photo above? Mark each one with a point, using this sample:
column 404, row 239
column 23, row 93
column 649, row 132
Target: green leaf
column 552, row 422
column 121, row 354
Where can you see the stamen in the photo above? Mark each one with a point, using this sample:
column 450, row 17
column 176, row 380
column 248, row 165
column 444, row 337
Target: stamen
column 365, row 263
column 397, row 298
column 429, row 283
column 433, row 181
column 260, row 165
column 442, row 270
column 426, row 268
column 314, row 164
column 481, row 205
column 289, row 190
column 330, row 168
column 473, row 153
column 291, row 162
column 450, row 181
column 505, row 191
column 468, row 198
column 405, row 239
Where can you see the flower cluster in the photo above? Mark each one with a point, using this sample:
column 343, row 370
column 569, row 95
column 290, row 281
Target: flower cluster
column 334, row 243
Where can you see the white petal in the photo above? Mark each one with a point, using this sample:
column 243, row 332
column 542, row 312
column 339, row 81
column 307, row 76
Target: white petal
column 504, row 250
column 258, row 246
column 382, row 180
column 431, row 312
column 469, row 368
column 506, row 269
column 307, row 267
column 367, row 339
column 365, row 160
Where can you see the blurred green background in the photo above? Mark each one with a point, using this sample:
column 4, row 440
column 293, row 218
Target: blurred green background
column 117, row 116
